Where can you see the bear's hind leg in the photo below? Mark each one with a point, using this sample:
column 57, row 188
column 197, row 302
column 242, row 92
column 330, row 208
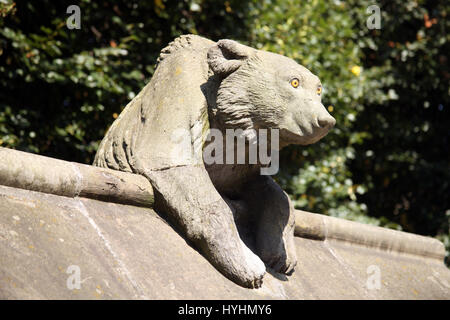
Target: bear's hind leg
column 274, row 224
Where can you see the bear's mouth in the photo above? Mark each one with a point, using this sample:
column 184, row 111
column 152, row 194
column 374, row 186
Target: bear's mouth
column 288, row 137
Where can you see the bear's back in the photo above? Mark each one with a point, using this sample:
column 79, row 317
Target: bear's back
column 184, row 44
column 171, row 100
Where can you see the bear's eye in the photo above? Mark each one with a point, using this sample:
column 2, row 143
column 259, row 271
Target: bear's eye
column 295, row 82
column 319, row 90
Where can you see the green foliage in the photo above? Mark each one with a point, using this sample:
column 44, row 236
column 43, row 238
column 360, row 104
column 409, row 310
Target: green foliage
column 322, row 36
column 407, row 164
column 61, row 88
column 387, row 161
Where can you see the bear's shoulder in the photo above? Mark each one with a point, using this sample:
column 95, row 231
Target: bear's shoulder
column 187, row 42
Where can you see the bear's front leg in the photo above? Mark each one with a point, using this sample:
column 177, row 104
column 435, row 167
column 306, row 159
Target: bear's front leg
column 188, row 196
column 274, row 224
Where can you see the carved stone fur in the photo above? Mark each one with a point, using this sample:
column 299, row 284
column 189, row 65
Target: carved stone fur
column 241, row 221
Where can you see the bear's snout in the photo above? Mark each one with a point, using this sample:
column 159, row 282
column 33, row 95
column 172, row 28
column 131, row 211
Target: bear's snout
column 326, row 122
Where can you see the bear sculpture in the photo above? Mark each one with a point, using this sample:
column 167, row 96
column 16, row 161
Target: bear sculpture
column 238, row 218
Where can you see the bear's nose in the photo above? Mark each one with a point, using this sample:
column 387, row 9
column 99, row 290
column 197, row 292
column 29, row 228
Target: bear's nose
column 327, row 122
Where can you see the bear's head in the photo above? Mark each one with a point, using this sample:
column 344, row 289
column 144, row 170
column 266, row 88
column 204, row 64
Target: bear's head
column 260, row 89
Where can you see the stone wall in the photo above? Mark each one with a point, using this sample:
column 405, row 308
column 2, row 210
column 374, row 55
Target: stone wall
column 58, row 218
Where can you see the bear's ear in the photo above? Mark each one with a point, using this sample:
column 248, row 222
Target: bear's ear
column 226, row 56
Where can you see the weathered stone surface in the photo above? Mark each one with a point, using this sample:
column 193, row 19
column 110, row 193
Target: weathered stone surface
column 129, row 252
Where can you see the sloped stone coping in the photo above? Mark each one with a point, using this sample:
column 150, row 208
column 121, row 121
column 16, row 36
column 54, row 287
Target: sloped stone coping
column 325, row 228
column 48, row 175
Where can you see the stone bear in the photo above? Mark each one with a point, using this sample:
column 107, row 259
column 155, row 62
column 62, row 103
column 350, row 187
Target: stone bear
column 239, row 219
